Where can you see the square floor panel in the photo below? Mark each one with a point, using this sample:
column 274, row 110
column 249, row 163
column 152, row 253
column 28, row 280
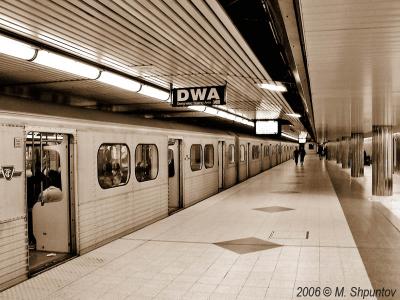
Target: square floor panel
column 273, row 209
column 247, row 245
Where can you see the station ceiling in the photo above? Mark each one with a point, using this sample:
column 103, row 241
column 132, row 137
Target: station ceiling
column 180, row 43
column 353, row 54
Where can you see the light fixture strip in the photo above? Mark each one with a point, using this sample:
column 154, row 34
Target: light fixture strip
column 289, row 136
column 16, row 48
column 221, row 114
column 66, row 64
column 273, row 87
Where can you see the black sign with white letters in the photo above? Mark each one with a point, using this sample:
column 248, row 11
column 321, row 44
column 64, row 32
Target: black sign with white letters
column 209, row 95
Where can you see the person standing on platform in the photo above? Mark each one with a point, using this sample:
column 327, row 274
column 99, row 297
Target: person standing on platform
column 302, row 155
column 296, row 155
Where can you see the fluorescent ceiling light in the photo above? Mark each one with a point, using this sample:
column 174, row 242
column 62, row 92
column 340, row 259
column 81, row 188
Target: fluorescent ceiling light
column 16, row 49
column 273, row 87
column 221, row 114
column 119, row 81
column 200, row 108
column 303, row 134
column 66, row 64
column 294, row 115
column 289, row 136
column 154, row 92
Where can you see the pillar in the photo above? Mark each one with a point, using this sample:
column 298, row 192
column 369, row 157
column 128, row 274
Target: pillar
column 338, row 151
column 382, row 160
column 357, row 155
column 333, row 152
column 345, row 152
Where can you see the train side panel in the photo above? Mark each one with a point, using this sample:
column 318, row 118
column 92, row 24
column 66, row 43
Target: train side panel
column 199, row 182
column 105, row 213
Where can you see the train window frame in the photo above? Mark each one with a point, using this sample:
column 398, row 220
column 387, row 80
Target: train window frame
column 201, row 158
column 158, row 162
column 129, row 165
column 258, row 152
column 231, row 154
column 208, row 166
column 244, row 153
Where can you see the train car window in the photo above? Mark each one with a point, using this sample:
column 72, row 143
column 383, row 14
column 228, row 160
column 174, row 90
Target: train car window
column 255, row 152
column 113, row 165
column 242, row 153
column 209, row 156
column 195, row 157
column 231, row 154
column 146, row 160
column 171, row 163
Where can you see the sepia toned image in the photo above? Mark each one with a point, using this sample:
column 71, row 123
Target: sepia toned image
column 199, row 149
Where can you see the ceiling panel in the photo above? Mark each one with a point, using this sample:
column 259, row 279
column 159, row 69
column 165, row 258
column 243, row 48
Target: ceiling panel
column 353, row 54
column 186, row 43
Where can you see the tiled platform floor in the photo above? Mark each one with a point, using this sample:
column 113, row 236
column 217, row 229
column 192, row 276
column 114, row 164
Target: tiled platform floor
column 249, row 242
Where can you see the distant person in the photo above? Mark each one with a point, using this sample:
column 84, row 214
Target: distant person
column 302, row 155
column 326, row 152
column 296, row 155
column 320, row 151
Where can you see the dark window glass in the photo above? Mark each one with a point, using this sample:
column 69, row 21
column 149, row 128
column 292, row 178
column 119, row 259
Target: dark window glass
column 209, row 156
column 146, row 160
column 195, row 157
column 255, row 153
column 242, row 153
column 113, row 165
column 231, row 154
column 171, row 163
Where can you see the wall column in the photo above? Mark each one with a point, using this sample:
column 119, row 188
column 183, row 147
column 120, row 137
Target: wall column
column 338, row 151
column 345, row 152
column 382, row 160
column 357, row 155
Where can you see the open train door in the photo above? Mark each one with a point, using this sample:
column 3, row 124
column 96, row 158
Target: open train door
column 13, row 244
column 50, row 212
column 175, row 178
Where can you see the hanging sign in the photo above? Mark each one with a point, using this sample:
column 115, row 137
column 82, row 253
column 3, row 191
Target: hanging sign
column 209, row 95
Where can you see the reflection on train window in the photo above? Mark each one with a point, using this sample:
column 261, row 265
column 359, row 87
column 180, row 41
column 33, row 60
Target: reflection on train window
column 231, row 154
column 255, row 153
column 267, row 150
column 146, row 160
column 113, row 162
column 171, row 163
column 209, row 156
column 242, row 153
column 195, row 157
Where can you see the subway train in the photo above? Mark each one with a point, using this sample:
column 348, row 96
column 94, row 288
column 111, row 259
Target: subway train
column 73, row 179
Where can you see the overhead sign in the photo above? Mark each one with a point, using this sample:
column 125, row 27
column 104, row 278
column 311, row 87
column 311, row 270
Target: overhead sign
column 267, row 127
column 208, row 95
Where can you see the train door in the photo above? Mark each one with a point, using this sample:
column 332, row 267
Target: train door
column 13, row 255
column 261, row 158
column 50, row 213
column 221, row 162
column 175, row 188
column 248, row 160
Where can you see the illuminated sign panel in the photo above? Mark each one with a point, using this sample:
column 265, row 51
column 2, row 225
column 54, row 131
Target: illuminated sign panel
column 267, row 127
column 209, row 95
column 302, row 140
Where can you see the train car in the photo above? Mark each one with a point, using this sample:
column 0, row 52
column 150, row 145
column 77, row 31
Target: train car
column 74, row 179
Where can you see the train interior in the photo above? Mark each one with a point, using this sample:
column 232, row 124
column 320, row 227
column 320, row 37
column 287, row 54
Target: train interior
column 48, row 199
column 175, row 194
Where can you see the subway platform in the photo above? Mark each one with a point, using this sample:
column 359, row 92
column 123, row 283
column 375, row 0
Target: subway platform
column 292, row 232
